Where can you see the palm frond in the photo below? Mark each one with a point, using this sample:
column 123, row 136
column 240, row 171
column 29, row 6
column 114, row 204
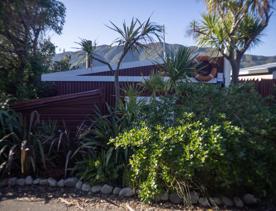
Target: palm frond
column 86, row 46
column 179, row 65
column 136, row 35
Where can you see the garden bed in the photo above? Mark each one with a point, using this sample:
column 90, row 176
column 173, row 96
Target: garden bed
column 184, row 150
column 48, row 198
column 75, row 194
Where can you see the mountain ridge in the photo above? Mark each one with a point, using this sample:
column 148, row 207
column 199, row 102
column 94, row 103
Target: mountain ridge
column 153, row 52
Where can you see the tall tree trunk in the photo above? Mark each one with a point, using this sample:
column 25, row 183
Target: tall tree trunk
column 117, row 89
column 87, row 61
column 235, row 64
column 20, row 75
column 21, row 69
column 116, row 81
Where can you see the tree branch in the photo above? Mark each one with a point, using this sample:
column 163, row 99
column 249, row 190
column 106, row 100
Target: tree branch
column 103, row 62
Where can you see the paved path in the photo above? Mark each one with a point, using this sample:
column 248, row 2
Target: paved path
column 55, row 205
column 52, row 201
column 49, row 199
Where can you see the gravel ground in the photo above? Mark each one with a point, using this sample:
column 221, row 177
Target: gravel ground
column 51, row 199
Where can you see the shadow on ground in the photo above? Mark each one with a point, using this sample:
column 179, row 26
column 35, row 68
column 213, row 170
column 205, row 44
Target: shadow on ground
column 50, row 199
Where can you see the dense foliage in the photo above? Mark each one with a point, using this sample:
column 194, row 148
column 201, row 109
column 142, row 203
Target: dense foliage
column 194, row 137
column 199, row 138
column 36, row 147
column 107, row 164
column 203, row 140
column 233, row 27
column 25, row 50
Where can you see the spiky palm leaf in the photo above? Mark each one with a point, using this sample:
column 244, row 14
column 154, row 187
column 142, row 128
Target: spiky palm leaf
column 178, row 66
column 134, row 36
column 87, row 48
column 232, row 27
column 214, row 31
column 155, row 84
column 259, row 6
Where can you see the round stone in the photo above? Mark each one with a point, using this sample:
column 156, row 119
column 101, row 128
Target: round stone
column 36, row 181
column 28, row 180
column 194, row 197
column 85, row 187
column 12, row 181
column 163, row 197
column 96, row 189
column 78, row 185
column 116, row 190
column 250, row 199
column 215, row 201
column 106, row 189
column 20, row 182
column 60, row 183
column 126, row 192
column 238, row 202
column 70, row 182
column 174, row 198
column 203, row 201
column 52, row 182
column 43, row 182
column 227, row 201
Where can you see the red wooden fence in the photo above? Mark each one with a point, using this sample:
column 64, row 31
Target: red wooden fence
column 72, row 109
column 78, row 100
column 265, row 87
column 67, row 87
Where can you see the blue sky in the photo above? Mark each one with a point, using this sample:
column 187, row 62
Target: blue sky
column 88, row 19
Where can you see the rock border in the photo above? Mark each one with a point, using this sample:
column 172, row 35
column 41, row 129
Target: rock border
column 194, row 198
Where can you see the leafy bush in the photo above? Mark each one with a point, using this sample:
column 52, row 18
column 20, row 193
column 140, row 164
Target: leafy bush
column 205, row 136
column 16, row 150
column 35, row 147
column 48, row 149
column 240, row 104
column 195, row 154
column 106, row 164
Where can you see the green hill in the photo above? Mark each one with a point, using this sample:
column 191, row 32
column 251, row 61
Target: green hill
column 153, row 52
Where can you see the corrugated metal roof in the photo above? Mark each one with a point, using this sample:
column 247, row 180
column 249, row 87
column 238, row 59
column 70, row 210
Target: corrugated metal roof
column 57, row 76
column 265, row 68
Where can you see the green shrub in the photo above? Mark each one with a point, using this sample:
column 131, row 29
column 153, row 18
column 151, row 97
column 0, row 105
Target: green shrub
column 105, row 164
column 35, row 147
column 205, row 137
column 240, row 104
column 18, row 149
column 196, row 154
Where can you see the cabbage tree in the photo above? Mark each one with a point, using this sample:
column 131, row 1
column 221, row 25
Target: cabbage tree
column 233, row 27
column 132, row 37
column 87, row 48
column 178, row 66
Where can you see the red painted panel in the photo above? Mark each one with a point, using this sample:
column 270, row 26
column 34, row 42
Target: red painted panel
column 72, row 109
column 107, row 87
column 265, row 86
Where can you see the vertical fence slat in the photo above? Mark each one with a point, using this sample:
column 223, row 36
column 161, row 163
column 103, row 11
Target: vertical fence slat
column 264, row 86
